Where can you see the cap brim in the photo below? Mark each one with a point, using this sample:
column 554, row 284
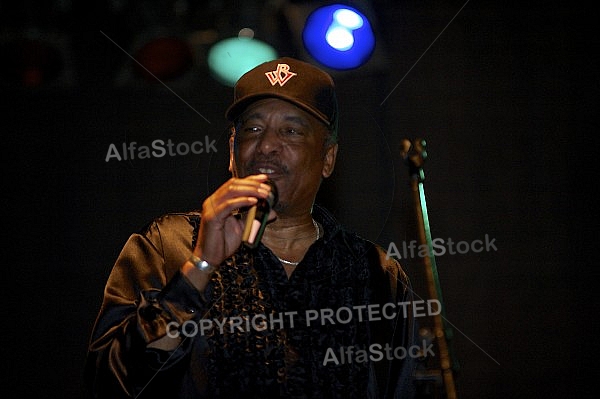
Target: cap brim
column 238, row 107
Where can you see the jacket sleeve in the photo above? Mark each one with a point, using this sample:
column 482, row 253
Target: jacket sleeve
column 399, row 373
column 144, row 293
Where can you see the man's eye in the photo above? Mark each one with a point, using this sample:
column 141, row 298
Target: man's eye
column 251, row 129
column 292, row 132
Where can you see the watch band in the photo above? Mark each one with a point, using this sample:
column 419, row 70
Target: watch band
column 201, row 264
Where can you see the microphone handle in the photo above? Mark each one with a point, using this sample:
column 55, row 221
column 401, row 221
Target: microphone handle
column 256, row 219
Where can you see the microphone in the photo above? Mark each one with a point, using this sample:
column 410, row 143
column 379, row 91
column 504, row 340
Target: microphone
column 256, row 219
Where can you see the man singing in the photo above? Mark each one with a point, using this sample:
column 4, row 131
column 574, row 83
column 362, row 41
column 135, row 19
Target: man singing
column 191, row 311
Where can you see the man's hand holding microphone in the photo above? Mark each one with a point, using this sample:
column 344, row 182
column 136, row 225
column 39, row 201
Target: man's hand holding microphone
column 222, row 231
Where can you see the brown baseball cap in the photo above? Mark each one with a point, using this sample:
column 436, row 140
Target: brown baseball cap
column 298, row 82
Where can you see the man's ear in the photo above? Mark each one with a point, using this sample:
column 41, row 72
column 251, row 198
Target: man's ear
column 232, row 165
column 329, row 160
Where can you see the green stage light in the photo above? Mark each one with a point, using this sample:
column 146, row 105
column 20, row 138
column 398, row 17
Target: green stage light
column 230, row 58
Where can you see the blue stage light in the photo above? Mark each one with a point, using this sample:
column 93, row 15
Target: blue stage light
column 338, row 36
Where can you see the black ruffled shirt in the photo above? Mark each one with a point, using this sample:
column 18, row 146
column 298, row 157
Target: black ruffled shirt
column 253, row 333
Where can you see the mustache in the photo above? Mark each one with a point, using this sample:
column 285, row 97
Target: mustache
column 270, row 162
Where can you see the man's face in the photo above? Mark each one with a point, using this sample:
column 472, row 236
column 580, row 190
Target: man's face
column 275, row 137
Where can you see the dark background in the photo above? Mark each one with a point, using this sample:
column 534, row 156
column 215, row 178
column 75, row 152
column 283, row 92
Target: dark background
column 501, row 93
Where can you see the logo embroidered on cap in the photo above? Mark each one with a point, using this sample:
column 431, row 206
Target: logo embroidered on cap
column 281, row 75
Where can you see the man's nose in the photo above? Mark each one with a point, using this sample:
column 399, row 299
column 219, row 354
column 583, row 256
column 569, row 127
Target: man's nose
column 269, row 141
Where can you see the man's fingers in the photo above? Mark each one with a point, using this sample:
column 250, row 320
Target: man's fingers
column 223, row 209
column 237, row 191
